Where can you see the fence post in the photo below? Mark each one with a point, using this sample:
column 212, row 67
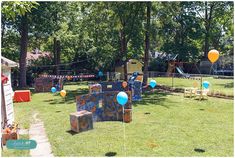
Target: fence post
column 107, row 76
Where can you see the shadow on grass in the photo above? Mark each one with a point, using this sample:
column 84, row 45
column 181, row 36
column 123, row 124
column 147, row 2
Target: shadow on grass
column 199, row 150
column 226, row 85
column 70, row 97
column 153, row 97
column 71, row 132
column 110, row 154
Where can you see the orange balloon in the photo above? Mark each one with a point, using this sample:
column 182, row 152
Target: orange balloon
column 124, row 84
column 213, row 55
column 63, row 93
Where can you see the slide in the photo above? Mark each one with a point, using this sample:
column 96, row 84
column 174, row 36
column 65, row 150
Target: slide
column 182, row 72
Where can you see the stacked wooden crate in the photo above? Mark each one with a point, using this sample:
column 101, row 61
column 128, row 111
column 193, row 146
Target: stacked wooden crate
column 109, row 110
column 81, row 121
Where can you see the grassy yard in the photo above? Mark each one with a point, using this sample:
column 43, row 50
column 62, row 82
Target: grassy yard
column 163, row 125
column 222, row 85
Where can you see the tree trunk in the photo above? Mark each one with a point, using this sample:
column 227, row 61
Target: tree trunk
column 206, row 47
column 207, row 26
column 146, row 50
column 23, row 50
column 124, row 52
column 56, row 51
column 3, row 27
column 57, row 57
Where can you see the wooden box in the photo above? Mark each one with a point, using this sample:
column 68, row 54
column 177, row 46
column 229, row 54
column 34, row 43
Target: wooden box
column 81, row 121
column 127, row 115
column 9, row 136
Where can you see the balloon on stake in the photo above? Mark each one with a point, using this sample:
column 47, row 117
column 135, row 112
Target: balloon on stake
column 63, row 93
column 206, row 84
column 122, row 98
column 195, row 84
column 152, row 83
column 124, row 84
column 213, row 55
column 53, row 89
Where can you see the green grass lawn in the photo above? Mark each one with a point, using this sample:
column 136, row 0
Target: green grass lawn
column 163, row 125
column 222, row 85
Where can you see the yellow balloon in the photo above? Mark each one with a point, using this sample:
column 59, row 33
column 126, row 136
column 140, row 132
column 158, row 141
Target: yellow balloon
column 63, row 93
column 213, row 55
column 195, row 84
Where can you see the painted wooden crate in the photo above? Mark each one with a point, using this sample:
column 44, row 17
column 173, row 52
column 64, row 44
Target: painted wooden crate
column 95, row 88
column 104, row 106
column 113, row 86
column 81, row 121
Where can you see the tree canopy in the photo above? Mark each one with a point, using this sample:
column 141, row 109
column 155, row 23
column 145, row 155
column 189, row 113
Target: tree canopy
column 98, row 35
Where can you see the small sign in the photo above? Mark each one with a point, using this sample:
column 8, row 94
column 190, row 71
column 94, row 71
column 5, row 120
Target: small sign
column 21, row 144
column 8, row 103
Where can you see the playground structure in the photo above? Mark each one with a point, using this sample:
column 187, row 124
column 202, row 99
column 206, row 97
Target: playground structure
column 176, row 66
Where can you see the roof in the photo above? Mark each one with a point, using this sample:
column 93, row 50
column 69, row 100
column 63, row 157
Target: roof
column 130, row 60
column 164, row 56
column 8, row 62
column 35, row 56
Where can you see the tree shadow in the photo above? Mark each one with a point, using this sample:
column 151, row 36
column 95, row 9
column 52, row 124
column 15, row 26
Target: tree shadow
column 153, row 97
column 226, row 85
column 69, row 98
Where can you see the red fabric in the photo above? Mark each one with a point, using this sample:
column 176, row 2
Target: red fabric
column 22, row 96
column 4, row 79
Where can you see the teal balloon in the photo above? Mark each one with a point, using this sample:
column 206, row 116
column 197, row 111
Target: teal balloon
column 122, row 98
column 206, row 84
column 100, row 74
column 53, row 89
column 152, row 83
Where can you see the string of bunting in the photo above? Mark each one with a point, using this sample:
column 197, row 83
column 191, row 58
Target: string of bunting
column 67, row 76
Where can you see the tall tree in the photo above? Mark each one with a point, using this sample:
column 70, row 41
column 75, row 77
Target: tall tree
column 147, row 43
column 130, row 16
column 23, row 49
column 20, row 10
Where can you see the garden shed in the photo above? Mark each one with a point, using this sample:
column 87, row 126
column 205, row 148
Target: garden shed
column 133, row 65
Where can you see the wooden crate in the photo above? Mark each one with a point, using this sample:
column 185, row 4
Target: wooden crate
column 81, row 121
column 9, row 136
column 127, row 115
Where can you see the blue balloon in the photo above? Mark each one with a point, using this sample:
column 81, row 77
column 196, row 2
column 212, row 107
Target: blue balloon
column 152, row 83
column 206, row 84
column 53, row 89
column 100, row 74
column 122, row 98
